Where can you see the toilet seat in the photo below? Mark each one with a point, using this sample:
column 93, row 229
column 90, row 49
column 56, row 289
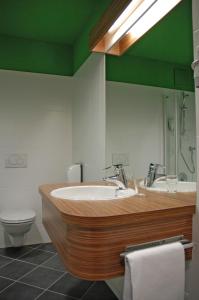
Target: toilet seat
column 17, row 216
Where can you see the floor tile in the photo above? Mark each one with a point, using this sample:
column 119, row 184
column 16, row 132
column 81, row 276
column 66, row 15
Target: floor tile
column 42, row 277
column 48, row 247
column 35, row 246
column 54, row 296
column 16, row 269
column 4, row 260
column 4, row 282
column 47, row 281
column 14, row 252
column 20, row 291
column 55, row 263
column 36, row 256
column 99, row 291
column 71, row 286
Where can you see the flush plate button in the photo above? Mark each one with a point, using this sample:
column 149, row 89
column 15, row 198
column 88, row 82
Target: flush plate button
column 16, row 160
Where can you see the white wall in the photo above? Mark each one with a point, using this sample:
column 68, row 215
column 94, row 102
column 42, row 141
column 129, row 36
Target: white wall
column 134, row 125
column 89, row 117
column 35, row 118
column 195, row 271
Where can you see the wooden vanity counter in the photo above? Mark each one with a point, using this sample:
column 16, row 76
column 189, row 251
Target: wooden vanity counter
column 90, row 235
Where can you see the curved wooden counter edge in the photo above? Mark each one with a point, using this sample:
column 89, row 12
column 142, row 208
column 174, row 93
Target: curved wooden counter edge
column 90, row 235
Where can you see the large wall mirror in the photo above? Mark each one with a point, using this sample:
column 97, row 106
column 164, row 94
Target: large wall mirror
column 150, row 101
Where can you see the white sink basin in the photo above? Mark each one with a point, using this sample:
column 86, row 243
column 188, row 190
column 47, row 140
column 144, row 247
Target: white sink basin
column 161, row 186
column 92, row 192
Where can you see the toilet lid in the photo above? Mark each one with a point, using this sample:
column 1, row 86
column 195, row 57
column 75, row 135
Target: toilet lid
column 16, row 216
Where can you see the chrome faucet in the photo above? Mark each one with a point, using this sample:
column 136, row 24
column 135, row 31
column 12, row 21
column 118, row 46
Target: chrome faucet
column 153, row 174
column 119, row 178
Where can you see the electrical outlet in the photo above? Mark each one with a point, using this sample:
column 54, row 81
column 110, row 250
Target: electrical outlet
column 16, row 160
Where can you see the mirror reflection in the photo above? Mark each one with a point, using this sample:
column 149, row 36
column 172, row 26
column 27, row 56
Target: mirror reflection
column 151, row 125
column 150, row 101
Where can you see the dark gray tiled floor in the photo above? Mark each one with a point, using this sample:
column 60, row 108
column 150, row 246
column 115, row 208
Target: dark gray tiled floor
column 20, row 291
column 42, row 277
column 16, row 269
column 71, row 286
column 47, row 247
column 99, row 291
column 4, row 260
column 37, row 256
column 36, row 272
column 54, row 263
column 15, row 252
column 4, row 282
column 54, row 296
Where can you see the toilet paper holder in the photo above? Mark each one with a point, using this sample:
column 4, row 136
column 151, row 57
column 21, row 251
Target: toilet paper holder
column 180, row 238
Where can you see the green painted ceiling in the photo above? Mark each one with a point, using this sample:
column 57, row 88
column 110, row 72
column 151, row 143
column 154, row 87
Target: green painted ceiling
column 55, row 21
column 62, row 21
column 51, row 36
column 171, row 39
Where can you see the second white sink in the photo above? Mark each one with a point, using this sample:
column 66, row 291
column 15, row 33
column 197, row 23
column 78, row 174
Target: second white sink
column 161, row 186
column 92, row 192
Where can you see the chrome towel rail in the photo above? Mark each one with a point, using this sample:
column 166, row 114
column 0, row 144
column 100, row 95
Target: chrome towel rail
column 186, row 244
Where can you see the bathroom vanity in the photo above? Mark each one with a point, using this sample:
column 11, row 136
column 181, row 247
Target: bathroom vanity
column 91, row 235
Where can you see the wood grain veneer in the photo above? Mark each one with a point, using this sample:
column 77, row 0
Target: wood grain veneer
column 90, row 235
column 99, row 35
column 99, row 32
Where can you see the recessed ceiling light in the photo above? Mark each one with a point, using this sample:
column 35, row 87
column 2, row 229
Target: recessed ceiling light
column 130, row 24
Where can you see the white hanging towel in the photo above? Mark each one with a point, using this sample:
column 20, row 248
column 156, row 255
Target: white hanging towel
column 155, row 273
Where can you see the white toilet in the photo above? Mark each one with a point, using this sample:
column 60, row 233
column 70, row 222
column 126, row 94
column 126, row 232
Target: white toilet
column 16, row 224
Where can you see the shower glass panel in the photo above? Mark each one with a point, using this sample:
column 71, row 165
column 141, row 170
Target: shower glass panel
column 170, row 133
column 180, row 135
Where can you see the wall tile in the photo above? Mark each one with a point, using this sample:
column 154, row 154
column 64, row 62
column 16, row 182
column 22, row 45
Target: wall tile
column 89, row 117
column 196, row 42
column 195, row 7
column 36, row 119
column 134, row 125
column 197, row 111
